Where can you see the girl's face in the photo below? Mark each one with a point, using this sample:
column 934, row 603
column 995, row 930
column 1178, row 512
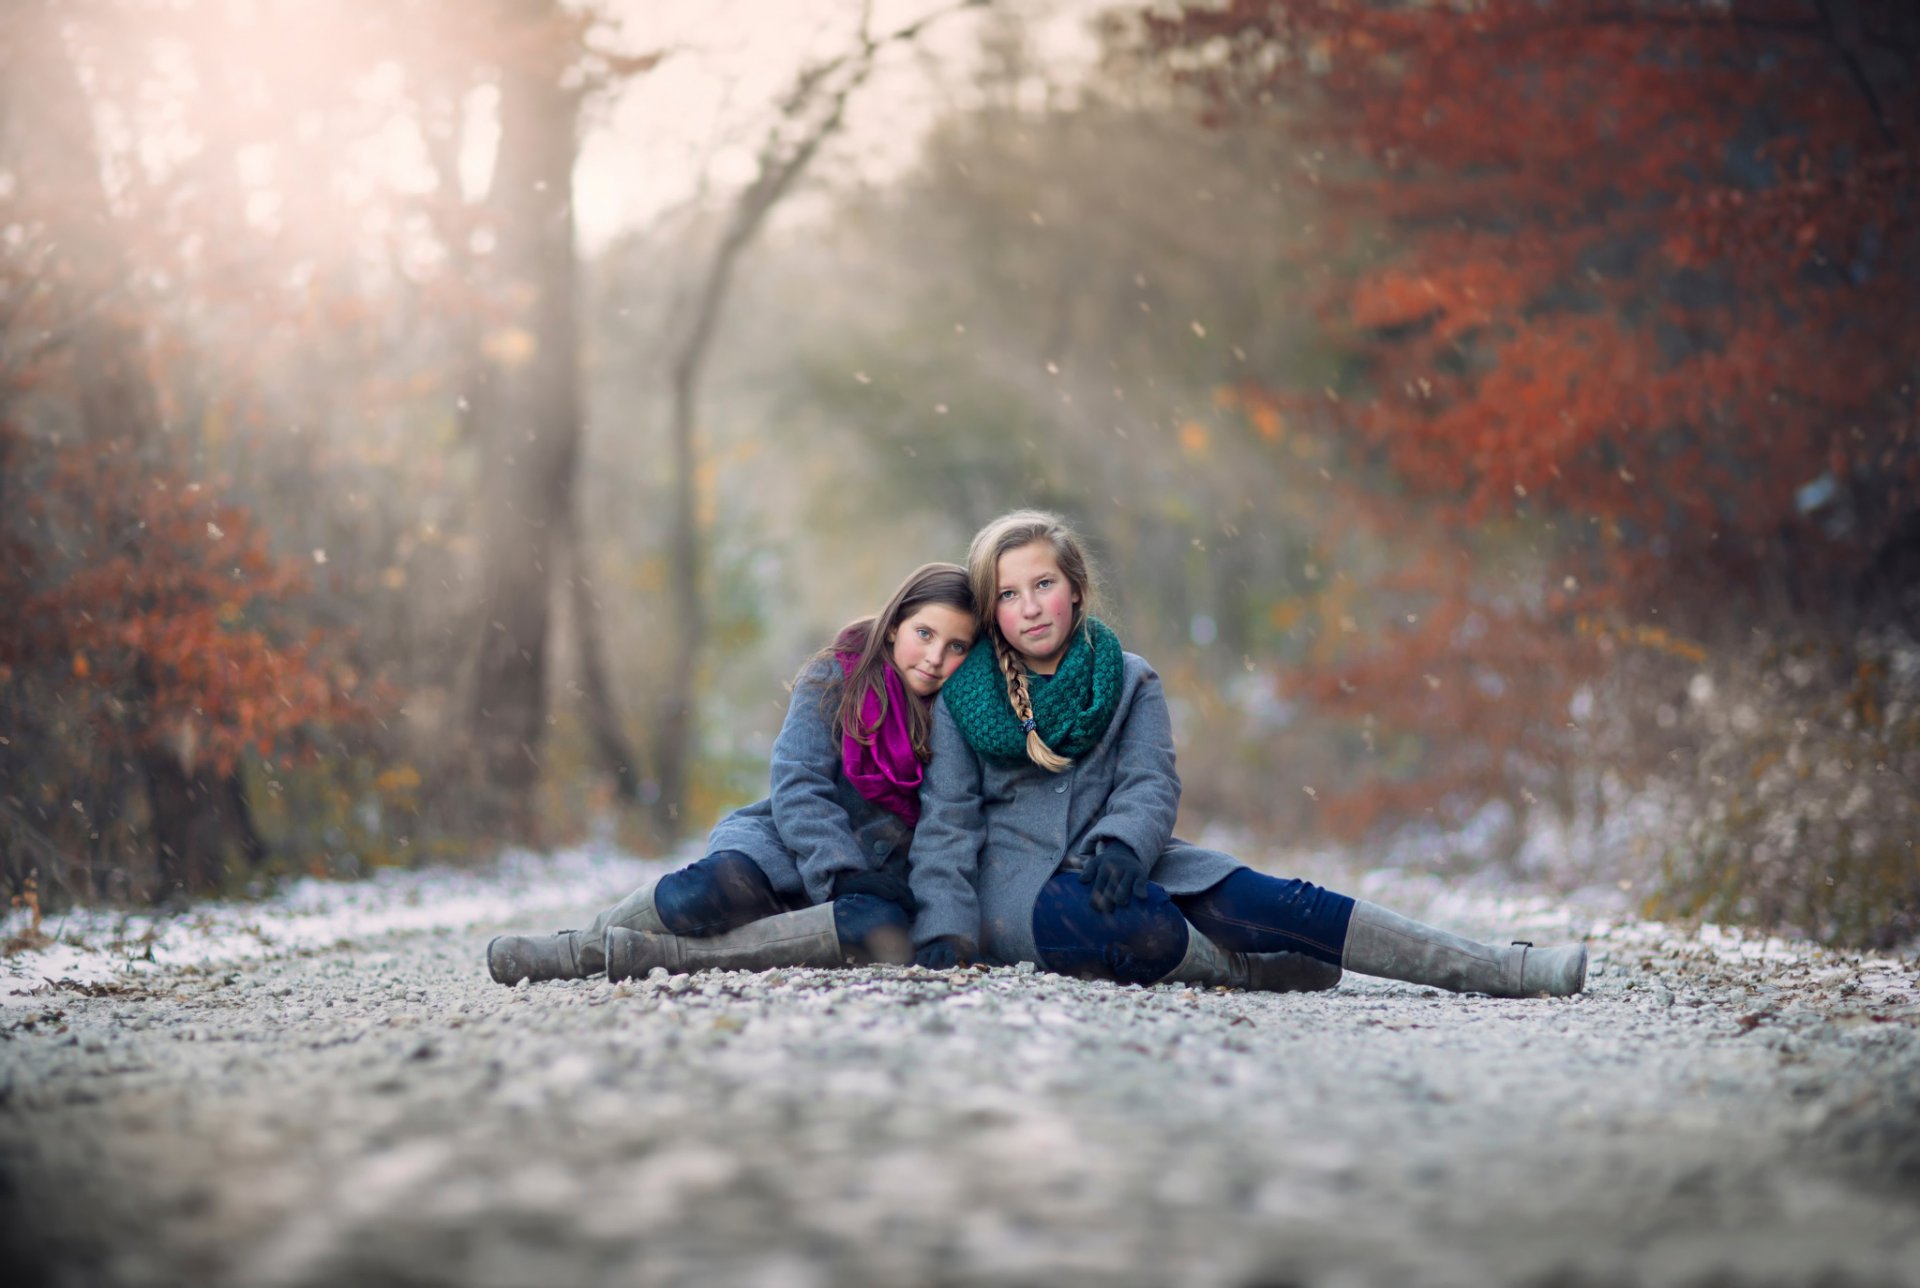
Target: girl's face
column 1033, row 605
column 929, row 646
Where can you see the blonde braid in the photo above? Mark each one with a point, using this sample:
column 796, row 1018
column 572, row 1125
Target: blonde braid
column 1022, row 702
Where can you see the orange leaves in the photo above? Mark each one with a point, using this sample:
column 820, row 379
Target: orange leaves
column 1268, row 421
column 1630, row 326
column 1549, row 172
column 1261, row 408
column 1640, row 635
column 161, row 600
column 1395, row 299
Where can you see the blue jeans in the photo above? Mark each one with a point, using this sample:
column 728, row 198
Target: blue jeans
column 727, row 890
column 1136, row 944
column 1248, row 912
column 724, row 890
column 1251, row 912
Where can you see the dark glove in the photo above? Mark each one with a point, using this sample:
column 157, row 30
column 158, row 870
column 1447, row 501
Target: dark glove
column 1117, row 876
column 944, row 953
column 890, row 886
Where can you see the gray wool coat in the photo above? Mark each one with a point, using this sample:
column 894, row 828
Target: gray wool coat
column 990, row 836
column 814, row 825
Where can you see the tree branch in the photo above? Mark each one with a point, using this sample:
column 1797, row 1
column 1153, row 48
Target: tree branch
column 1856, row 72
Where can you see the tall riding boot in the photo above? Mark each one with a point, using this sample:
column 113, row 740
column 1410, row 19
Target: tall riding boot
column 1206, row 962
column 1385, row 943
column 571, row 954
column 804, row 938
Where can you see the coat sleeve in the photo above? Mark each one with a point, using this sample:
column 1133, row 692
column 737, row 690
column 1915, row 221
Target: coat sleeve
column 805, row 770
column 1145, row 799
column 945, row 858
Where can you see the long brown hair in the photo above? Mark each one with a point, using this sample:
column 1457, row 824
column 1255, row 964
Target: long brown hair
column 867, row 638
column 1010, row 532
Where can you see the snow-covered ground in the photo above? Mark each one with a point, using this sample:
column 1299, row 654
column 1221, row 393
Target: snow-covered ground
column 325, row 1087
column 97, row 946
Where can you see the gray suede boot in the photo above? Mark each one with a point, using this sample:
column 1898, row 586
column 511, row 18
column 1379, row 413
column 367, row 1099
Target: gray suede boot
column 1208, row 963
column 570, row 954
column 1396, row 947
column 804, row 938
column 512, row 958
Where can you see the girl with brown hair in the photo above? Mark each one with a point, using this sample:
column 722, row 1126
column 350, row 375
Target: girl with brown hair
column 815, row 874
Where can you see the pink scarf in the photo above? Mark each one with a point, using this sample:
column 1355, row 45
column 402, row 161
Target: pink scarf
column 887, row 772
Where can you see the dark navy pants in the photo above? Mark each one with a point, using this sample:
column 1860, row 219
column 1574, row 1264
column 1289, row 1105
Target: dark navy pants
column 726, row 890
column 1248, row 912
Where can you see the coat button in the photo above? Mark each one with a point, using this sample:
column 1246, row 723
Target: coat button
column 1061, row 788
column 881, row 847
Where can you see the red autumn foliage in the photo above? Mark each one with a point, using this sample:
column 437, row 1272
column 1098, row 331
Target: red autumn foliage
column 155, row 603
column 1638, row 283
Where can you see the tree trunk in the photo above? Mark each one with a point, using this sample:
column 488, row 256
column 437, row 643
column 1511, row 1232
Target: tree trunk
column 531, row 432
column 601, row 711
column 673, row 745
column 201, row 825
column 816, row 105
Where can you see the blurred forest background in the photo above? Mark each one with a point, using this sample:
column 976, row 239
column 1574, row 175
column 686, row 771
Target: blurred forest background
column 1495, row 418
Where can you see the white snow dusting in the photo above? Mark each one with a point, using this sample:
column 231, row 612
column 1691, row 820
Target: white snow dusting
column 100, row 945
column 537, row 891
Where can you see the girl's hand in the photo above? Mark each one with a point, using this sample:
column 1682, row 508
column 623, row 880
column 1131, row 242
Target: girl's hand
column 1117, row 876
column 881, row 885
column 944, row 953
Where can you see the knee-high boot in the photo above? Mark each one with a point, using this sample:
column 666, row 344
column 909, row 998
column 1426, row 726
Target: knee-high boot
column 808, row 937
column 1385, row 943
column 571, row 954
column 1206, row 962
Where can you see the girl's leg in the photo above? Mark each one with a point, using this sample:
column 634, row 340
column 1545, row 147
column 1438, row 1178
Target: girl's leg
column 1385, row 943
column 853, row 930
column 1148, row 941
column 724, row 890
column 1137, row 944
column 1251, row 912
column 717, row 893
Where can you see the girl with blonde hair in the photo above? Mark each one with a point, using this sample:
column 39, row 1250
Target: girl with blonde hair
column 1046, row 832
column 815, row 874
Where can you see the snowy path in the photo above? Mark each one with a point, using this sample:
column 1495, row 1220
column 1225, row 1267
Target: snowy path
column 267, row 1104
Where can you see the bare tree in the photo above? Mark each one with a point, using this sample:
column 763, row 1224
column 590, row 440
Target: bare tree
column 811, row 112
column 531, row 432
column 528, row 410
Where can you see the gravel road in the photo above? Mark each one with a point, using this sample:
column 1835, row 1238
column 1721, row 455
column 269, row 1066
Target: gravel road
column 1709, row 1113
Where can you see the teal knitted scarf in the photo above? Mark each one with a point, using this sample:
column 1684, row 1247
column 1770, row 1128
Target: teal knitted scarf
column 1071, row 711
